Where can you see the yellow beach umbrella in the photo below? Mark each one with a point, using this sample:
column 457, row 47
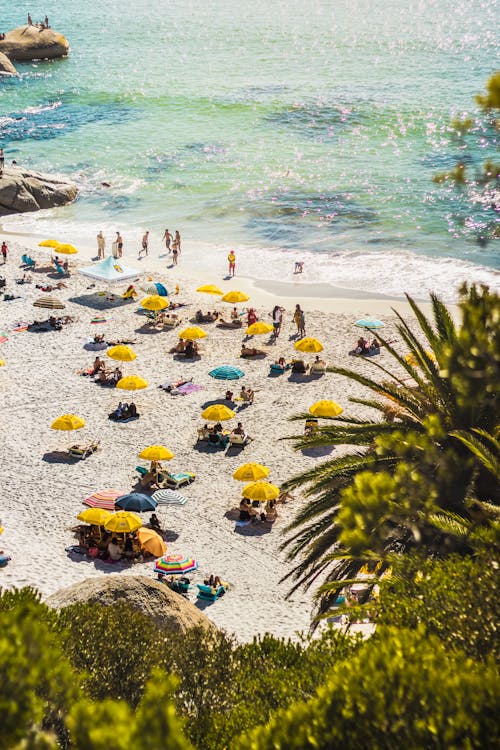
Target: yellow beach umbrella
column 123, row 522
column 94, row 516
column 2, row 362
column 122, row 353
column 155, row 303
column 258, row 328
column 156, row 453
column 261, row 491
column 251, row 472
column 49, row 243
column 152, row 542
column 412, row 360
column 68, row 422
column 235, row 296
column 310, row 345
column 192, row 333
column 66, row 249
column 209, row 289
column 218, row 413
column 132, row 383
column 325, row 408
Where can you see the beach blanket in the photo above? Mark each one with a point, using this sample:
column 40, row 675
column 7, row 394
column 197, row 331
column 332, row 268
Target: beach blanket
column 188, row 388
column 99, row 319
column 3, row 338
column 20, row 327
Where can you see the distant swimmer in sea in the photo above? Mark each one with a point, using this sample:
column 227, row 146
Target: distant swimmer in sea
column 299, row 266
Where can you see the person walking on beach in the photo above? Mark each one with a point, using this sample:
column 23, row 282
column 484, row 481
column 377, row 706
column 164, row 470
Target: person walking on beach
column 300, row 321
column 178, row 239
column 145, row 241
column 175, row 252
column 101, row 244
column 119, row 245
column 277, row 316
column 2, row 161
column 4, row 252
column 168, row 239
column 232, row 262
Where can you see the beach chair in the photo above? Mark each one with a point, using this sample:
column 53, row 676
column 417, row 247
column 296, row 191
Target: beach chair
column 78, row 451
column 236, row 439
column 60, row 270
column 317, row 368
column 275, row 368
column 27, row 261
column 209, row 593
column 171, row 322
column 174, row 481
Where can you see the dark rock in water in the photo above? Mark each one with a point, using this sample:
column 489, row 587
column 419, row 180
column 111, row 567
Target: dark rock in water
column 171, row 612
column 22, row 190
column 33, row 43
column 6, row 67
column 106, row 184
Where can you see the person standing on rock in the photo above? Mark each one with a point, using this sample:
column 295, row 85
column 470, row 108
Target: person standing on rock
column 4, row 250
column 168, row 239
column 101, row 244
column 2, row 161
column 30, row 20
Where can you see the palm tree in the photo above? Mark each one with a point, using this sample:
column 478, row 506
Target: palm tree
column 427, row 409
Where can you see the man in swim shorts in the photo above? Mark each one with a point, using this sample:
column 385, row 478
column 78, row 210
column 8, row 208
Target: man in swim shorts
column 232, row 262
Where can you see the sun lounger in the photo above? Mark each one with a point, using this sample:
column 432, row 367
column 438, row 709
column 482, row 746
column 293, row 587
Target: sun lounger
column 171, row 322
column 174, row 481
column 317, row 368
column 27, row 261
column 210, row 593
column 236, row 439
column 78, row 451
column 279, row 369
column 60, row 270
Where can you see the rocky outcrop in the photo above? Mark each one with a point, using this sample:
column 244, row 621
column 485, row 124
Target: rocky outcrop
column 6, row 67
column 33, row 43
column 22, row 190
column 170, row 611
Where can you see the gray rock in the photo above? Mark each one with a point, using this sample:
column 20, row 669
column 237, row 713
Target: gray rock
column 170, row 611
column 22, row 190
column 32, row 43
column 6, row 67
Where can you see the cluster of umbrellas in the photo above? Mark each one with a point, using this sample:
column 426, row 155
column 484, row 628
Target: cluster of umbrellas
column 60, row 247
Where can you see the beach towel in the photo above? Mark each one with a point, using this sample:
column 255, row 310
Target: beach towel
column 20, row 327
column 99, row 319
column 3, row 338
column 189, row 388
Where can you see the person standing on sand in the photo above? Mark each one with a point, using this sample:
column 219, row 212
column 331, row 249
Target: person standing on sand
column 2, row 161
column 119, row 245
column 232, row 262
column 300, row 321
column 178, row 239
column 145, row 241
column 168, row 238
column 4, row 252
column 101, row 244
column 175, row 252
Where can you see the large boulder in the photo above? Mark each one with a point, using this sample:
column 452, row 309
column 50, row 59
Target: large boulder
column 22, row 190
column 6, row 67
column 170, row 611
column 33, row 43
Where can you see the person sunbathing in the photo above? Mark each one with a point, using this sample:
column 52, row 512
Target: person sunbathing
column 247, row 394
column 97, row 366
column 180, row 348
column 250, row 351
column 229, row 323
column 362, row 346
column 191, row 349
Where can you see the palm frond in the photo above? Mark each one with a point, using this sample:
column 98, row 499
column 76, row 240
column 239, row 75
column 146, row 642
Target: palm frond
column 485, row 447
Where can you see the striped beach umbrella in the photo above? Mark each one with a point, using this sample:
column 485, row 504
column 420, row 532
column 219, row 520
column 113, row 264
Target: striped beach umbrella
column 174, row 565
column 104, row 498
column 169, row 497
column 49, row 303
column 226, row 372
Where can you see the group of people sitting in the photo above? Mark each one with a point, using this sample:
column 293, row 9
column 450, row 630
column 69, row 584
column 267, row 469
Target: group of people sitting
column 188, row 348
column 208, row 317
column 217, row 436
column 51, row 324
column 97, row 542
column 51, row 287
column 165, row 319
column 246, row 394
column 104, row 376
column 124, row 412
column 254, row 511
column 363, row 347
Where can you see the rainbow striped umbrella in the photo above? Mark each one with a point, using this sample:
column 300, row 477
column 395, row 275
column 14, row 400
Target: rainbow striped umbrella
column 174, row 565
column 104, row 498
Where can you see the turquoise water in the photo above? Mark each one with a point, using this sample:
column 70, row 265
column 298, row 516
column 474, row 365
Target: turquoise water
column 298, row 129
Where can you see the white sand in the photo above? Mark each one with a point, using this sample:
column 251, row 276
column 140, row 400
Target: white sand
column 41, row 499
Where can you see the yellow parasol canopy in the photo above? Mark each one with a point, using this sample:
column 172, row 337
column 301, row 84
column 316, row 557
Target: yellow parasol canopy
column 412, row 360
column 251, row 472
column 156, row 453
column 94, row 516
column 235, row 296
column 218, row 413
column 310, row 345
column 261, row 491
column 48, row 243
column 132, row 383
column 325, row 408
column 194, row 332
column 66, row 249
column 155, row 303
column 209, row 289
column 123, row 522
column 68, row 422
column 2, row 362
column 122, row 353
column 152, row 542
column 258, row 328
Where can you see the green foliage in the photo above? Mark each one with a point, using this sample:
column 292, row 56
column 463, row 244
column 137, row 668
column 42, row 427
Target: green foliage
column 416, row 460
column 455, row 599
column 116, row 648
column 402, row 689
column 492, row 99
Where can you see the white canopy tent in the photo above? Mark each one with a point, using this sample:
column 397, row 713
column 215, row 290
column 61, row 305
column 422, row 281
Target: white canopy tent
column 110, row 270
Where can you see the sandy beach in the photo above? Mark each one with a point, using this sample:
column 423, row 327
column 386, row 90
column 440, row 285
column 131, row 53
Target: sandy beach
column 43, row 491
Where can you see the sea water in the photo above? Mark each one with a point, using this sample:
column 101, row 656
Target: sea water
column 290, row 130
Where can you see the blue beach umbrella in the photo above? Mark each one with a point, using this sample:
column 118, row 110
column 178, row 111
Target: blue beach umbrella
column 226, row 372
column 156, row 287
column 369, row 323
column 136, row 501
